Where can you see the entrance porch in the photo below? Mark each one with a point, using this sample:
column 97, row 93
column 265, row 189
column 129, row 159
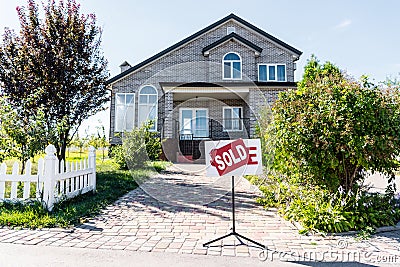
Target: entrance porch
column 200, row 114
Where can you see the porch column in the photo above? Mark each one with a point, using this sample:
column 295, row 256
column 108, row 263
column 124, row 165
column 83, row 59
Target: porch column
column 169, row 106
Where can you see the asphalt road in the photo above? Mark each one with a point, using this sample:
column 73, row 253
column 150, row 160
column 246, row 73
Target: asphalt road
column 12, row 255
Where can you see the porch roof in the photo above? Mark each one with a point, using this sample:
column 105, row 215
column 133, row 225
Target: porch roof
column 223, row 90
column 167, row 86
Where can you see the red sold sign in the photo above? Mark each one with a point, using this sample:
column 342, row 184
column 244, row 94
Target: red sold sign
column 232, row 156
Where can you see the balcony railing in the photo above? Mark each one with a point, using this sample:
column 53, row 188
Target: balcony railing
column 218, row 129
column 229, row 128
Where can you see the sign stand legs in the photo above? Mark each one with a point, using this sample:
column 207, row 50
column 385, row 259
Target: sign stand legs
column 233, row 223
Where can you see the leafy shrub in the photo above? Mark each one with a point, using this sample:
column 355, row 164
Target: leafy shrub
column 134, row 148
column 119, row 157
column 317, row 209
column 153, row 143
column 318, row 144
column 269, row 199
column 138, row 146
column 332, row 128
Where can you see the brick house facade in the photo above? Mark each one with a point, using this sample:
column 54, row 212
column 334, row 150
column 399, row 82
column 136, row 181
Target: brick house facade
column 209, row 86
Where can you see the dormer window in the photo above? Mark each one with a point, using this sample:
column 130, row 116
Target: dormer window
column 232, row 67
column 230, row 30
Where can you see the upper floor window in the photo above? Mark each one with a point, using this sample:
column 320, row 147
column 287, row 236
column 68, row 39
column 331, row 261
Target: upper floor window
column 272, row 72
column 230, row 30
column 124, row 112
column 148, row 106
column 232, row 66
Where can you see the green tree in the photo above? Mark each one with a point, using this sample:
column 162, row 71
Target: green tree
column 22, row 136
column 99, row 140
column 332, row 129
column 54, row 66
column 102, row 139
column 93, row 141
column 80, row 143
column 4, row 143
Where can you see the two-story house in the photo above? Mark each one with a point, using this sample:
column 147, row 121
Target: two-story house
column 209, row 86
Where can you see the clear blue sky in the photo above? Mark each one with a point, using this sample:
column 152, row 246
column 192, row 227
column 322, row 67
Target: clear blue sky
column 361, row 37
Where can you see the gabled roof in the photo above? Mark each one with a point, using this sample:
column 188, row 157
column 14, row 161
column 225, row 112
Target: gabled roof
column 230, row 37
column 197, row 34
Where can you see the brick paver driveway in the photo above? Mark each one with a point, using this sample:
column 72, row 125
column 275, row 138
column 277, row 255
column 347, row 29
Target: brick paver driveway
column 179, row 210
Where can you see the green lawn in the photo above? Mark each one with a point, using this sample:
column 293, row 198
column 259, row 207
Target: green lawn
column 111, row 184
column 76, row 155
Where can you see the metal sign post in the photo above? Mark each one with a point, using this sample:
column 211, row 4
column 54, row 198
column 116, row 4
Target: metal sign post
column 233, row 233
column 238, row 157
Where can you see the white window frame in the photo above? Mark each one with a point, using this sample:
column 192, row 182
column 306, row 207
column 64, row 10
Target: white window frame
column 193, row 118
column 276, row 72
column 240, row 119
column 230, row 29
column 125, row 105
column 231, row 61
column 156, row 107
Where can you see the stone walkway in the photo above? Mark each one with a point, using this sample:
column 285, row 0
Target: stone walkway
column 181, row 209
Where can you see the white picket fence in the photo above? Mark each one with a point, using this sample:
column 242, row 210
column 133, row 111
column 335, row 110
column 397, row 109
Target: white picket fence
column 53, row 182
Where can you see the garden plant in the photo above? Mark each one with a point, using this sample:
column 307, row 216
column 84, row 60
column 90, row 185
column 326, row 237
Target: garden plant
column 320, row 143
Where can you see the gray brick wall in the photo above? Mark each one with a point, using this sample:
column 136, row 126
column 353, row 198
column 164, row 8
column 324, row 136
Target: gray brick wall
column 187, row 64
column 259, row 99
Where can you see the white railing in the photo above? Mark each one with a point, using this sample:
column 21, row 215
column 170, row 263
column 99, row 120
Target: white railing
column 53, row 182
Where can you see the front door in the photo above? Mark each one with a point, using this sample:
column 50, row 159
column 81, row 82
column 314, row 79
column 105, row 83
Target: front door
column 193, row 123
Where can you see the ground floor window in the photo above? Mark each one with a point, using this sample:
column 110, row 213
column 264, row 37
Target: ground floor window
column 124, row 112
column 148, row 106
column 232, row 118
column 193, row 123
